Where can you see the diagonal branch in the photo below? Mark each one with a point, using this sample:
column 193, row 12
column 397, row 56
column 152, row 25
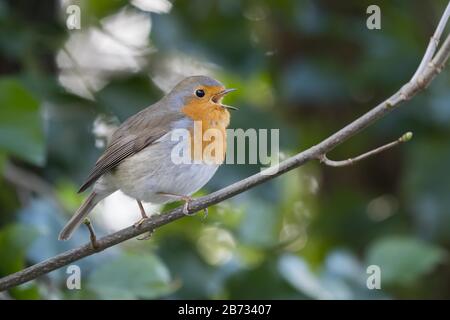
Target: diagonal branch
column 343, row 163
column 433, row 44
column 409, row 90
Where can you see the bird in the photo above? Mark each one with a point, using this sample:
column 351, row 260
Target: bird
column 137, row 159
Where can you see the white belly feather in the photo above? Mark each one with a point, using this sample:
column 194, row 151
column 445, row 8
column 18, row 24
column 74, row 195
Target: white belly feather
column 151, row 171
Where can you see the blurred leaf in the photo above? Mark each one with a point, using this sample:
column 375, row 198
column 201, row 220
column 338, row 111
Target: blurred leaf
column 296, row 271
column 2, row 161
column 345, row 275
column 250, row 256
column 403, row 259
column 21, row 131
column 14, row 242
column 100, row 8
column 426, row 187
column 341, row 277
column 132, row 92
column 260, row 225
column 28, row 291
column 307, row 81
column 68, row 194
column 131, row 276
column 262, row 282
column 44, row 216
column 191, row 270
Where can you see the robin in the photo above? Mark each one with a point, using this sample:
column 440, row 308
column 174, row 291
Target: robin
column 138, row 161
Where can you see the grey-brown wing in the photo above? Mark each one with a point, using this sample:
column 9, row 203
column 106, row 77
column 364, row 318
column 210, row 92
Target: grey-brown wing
column 134, row 135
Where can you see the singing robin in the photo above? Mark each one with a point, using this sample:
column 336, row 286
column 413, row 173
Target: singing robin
column 138, row 161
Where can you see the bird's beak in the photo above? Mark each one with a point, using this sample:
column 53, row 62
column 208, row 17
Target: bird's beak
column 217, row 98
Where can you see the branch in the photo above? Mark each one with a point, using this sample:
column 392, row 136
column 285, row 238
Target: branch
column 433, row 44
column 430, row 70
column 343, row 163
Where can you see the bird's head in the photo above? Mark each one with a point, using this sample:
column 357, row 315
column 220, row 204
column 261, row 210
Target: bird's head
column 199, row 96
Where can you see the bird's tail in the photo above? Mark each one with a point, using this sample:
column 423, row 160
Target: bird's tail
column 79, row 216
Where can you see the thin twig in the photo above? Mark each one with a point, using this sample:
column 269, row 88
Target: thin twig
column 343, row 163
column 92, row 235
column 433, row 44
column 408, row 91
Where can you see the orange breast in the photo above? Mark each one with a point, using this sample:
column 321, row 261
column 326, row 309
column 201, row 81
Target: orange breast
column 208, row 116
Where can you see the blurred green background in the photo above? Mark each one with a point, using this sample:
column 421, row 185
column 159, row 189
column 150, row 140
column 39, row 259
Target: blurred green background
column 305, row 67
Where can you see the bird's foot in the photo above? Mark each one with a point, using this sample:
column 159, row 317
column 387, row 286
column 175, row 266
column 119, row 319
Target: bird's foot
column 205, row 213
column 138, row 224
column 187, row 200
column 143, row 215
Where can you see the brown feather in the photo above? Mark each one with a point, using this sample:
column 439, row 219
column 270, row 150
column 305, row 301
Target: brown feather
column 135, row 134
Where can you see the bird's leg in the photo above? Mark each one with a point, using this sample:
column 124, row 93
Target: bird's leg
column 143, row 214
column 144, row 217
column 187, row 200
column 92, row 236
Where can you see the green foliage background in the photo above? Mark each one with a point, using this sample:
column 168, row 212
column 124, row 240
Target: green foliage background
column 306, row 67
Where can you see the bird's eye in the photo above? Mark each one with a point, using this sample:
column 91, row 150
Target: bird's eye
column 200, row 93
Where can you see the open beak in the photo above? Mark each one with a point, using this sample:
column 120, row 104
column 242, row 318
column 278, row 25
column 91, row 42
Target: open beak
column 217, row 98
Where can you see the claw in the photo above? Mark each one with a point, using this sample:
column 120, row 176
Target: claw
column 205, row 213
column 187, row 200
column 139, row 223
